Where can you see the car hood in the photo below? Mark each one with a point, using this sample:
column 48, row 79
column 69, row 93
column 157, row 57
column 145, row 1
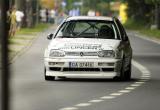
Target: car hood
column 85, row 44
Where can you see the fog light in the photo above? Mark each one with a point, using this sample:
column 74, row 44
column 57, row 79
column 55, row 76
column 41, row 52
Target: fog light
column 52, row 63
column 56, row 63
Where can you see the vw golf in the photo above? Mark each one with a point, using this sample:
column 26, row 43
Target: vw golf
column 94, row 47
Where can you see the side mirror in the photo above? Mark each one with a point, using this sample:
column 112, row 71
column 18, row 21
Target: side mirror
column 50, row 36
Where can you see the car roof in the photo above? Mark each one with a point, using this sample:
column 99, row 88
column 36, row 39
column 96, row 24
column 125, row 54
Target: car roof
column 90, row 18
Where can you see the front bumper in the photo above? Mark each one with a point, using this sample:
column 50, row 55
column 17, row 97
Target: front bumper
column 103, row 68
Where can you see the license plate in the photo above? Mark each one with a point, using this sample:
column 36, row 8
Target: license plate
column 81, row 64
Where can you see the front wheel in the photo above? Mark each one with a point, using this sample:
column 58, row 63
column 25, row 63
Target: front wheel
column 125, row 74
column 48, row 78
column 128, row 72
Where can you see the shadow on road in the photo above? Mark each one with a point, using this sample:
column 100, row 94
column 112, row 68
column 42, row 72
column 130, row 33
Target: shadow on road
column 97, row 80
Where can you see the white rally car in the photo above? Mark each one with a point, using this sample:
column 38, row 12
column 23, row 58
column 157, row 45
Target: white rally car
column 95, row 47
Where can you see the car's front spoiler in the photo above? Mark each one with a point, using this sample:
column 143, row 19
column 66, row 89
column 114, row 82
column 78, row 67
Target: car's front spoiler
column 82, row 74
column 103, row 74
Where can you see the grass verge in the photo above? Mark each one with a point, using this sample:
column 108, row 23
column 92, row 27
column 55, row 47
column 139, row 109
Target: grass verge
column 14, row 42
column 23, row 38
column 142, row 28
column 38, row 28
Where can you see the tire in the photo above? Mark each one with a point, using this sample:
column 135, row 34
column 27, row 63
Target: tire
column 48, row 78
column 125, row 75
column 128, row 72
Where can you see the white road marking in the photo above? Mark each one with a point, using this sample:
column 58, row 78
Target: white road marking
column 69, row 108
column 140, row 67
column 95, row 101
column 143, row 80
column 116, row 94
column 139, row 82
column 145, row 77
column 146, row 74
column 107, row 97
column 146, row 38
column 125, row 91
column 135, row 85
column 130, row 88
column 83, row 104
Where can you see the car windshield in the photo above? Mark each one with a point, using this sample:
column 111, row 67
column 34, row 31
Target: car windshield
column 87, row 29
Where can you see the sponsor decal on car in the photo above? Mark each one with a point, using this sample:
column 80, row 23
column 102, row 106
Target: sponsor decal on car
column 82, row 46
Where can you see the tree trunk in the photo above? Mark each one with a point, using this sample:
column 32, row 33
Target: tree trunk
column 157, row 15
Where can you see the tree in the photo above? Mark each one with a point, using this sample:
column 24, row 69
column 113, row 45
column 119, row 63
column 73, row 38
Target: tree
column 156, row 3
column 29, row 7
column 97, row 5
column 146, row 11
column 139, row 11
column 103, row 8
column 49, row 4
column 70, row 4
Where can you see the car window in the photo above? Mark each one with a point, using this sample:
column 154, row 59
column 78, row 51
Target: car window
column 88, row 29
column 121, row 29
column 81, row 26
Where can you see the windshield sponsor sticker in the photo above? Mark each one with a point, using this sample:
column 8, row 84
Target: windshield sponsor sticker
column 82, row 46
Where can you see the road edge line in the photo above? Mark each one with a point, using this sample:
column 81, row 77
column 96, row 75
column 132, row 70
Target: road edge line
column 143, row 70
column 144, row 37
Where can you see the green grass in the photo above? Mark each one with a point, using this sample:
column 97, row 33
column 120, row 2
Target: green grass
column 38, row 28
column 142, row 28
column 27, row 33
column 132, row 25
column 12, row 41
column 11, row 50
column 22, row 37
column 153, row 33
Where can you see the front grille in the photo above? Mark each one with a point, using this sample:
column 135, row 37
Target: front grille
column 81, row 53
column 81, row 69
column 72, row 53
column 55, row 68
column 107, row 69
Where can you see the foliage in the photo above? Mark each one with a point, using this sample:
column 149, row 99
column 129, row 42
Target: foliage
column 70, row 4
column 104, row 8
column 139, row 10
column 97, row 5
column 152, row 1
column 134, row 25
column 38, row 28
column 49, row 4
column 152, row 33
column 140, row 27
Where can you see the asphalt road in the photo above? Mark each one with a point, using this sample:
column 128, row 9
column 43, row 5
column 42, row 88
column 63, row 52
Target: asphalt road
column 29, row 90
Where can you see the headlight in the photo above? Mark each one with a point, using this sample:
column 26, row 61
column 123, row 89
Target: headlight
column 106, row 53
column 57, row 53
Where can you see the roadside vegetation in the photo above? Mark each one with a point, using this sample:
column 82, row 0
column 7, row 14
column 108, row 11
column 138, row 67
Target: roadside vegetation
column 38, row 28
column 142, row 28
column 23, row 38
column 144, row 17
